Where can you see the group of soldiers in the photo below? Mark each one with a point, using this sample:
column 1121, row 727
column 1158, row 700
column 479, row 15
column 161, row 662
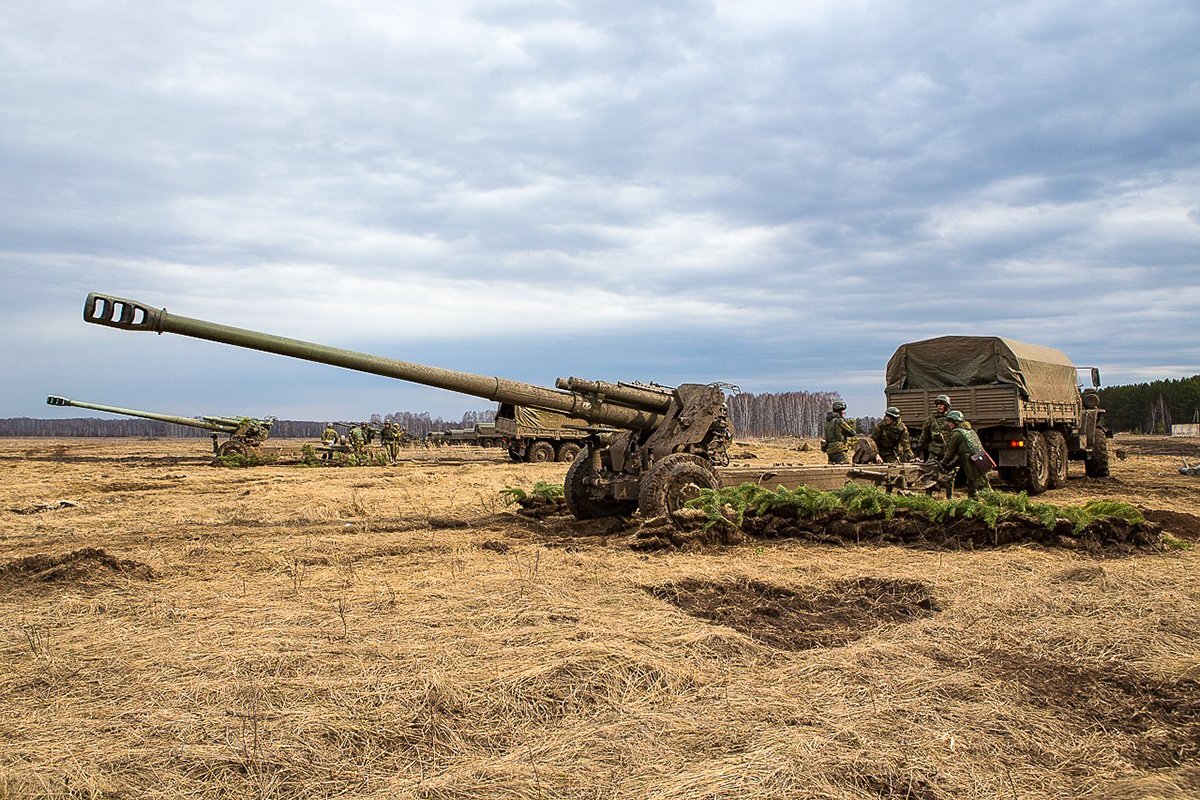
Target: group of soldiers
column 361, row 434
column 946, row 437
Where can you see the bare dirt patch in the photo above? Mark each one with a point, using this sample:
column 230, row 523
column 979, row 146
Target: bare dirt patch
column 802, row 618
column 1159, row 718
column 87, row 566
column 1180, row 523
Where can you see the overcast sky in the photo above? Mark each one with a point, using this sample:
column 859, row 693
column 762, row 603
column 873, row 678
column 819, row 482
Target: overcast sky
column 770, row 194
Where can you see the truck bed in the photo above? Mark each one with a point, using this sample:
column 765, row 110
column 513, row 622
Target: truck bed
column 983, row 406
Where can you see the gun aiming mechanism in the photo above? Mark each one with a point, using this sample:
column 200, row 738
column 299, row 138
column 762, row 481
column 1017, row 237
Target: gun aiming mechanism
column 245, row 433
column 667, row 442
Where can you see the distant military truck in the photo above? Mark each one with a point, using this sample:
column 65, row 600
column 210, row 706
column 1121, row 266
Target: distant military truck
column 1024, row 400
column 535, row 435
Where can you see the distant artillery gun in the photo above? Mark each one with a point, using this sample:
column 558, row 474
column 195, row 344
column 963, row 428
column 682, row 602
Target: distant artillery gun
column 246, row 434
column 649, row 448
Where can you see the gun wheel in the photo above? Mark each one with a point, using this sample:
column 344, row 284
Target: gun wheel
column 579, row 499
column 672, row 482
column 234, row 447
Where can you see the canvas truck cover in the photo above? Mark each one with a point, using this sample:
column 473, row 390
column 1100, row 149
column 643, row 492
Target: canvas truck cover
column 1040, row 373
column 539, row 419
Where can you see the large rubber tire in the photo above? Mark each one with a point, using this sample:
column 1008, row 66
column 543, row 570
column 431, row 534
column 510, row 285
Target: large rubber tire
column 580, row 503
column 540, row 452
column 1096, row 464
column 567, row 451
column 234, row 447
column 1034, row 477
column 1056, row 445
column 672, row 481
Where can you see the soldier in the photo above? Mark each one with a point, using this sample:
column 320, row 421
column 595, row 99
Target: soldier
column 932, row 443
column 891, row 437
column 329, row 438
column 390, row 436
column 358, row 439
column 838, row 432
column 962, row 444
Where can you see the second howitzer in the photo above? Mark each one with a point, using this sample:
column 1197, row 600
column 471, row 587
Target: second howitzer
column 245, row 433
column 651, row 448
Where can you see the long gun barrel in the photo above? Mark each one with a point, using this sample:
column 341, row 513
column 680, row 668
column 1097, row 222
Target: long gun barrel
column 219, row 424
column 597, row 408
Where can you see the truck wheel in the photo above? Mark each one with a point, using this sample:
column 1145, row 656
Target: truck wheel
column 1056, row 445
column 673, row 481
column 1096, row 465
column 1034, row 477
column 567, row 451
column 576, row 493
column 540, row 452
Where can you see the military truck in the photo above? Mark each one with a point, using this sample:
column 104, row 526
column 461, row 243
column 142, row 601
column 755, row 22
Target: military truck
column 1023, row 400
column 246, row 434
column 534, row 435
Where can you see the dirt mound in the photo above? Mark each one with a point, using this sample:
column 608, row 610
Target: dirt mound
column 1179, row 523
column 691, row 529
column 86, row 566
column 802, row 618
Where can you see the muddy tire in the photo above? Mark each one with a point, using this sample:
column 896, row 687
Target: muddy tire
column 567, row 451
column 1034, row 477
column 234, row 448
column 672, row 481
column 540, row 453
column 1056, row 446
column 1096, row 464
column 577, row 497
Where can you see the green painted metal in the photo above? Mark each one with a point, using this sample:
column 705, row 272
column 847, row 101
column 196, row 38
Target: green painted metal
column 218, row 424
column 119, row 312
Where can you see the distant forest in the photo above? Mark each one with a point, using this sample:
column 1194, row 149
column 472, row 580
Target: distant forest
column 1140, row 407
column 1151, row 407
column 416, row 424
column 781, row 414
column 753, row 415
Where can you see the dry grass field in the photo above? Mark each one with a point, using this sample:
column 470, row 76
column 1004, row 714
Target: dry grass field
column 398, row 632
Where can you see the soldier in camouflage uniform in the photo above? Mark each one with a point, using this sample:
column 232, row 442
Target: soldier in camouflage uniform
column 329, row 437
column 932, row 443
column 961, row 444
column 358, row 439
column 390, row 437
column 838, row 432
column 891, row 437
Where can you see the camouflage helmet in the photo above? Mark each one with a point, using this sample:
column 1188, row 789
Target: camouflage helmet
column 892, row 412
column 956, row 417
column 839, row 405
column 943, row 399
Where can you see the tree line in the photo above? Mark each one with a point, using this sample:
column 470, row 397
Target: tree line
column 1151, row 407
column 417, row 424
column 753, row 415
column 780, row 413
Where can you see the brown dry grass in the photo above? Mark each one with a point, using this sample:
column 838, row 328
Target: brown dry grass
column 392, row 632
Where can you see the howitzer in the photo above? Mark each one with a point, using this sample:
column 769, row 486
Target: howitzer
column 245, row 433
column 652, row 447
